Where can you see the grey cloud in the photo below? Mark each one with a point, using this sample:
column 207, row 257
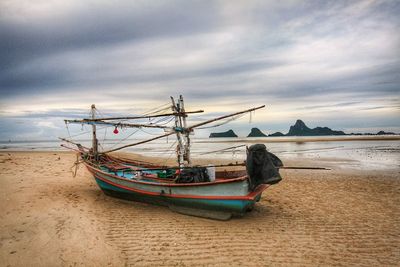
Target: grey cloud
column 341, row 104
column 101, row 26
column 247, row 52
column 108, row 26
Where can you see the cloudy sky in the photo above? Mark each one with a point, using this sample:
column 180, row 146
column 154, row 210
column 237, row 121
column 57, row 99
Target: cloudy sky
column 330, row 63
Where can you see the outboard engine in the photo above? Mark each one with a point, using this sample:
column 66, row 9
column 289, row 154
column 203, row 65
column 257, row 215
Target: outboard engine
column 262, row 166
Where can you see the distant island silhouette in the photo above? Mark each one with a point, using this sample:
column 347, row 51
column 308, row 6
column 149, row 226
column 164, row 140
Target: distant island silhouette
column 229, row 133
column 255, row 132
column 277, row 134
column 298, row 129
column 378, row 133
column 301, row 129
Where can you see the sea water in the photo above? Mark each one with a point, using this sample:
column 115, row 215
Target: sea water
column 365, row 154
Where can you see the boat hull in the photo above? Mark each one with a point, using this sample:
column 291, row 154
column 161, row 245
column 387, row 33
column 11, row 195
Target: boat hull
column 215, row 200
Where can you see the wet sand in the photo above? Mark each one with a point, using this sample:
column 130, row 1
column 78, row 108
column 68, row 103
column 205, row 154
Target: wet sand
column 312, row 218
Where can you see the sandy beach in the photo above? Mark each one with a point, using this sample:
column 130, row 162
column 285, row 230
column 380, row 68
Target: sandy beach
column 312, row 218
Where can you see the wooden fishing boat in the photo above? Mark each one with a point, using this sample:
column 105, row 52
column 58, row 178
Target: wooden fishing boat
column 184, row 188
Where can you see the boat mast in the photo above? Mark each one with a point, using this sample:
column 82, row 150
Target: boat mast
column 94, row 137
column 178, row 130
column 187, row 133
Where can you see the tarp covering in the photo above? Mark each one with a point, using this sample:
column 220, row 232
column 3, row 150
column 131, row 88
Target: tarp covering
column 193, row 175
column 262, row 166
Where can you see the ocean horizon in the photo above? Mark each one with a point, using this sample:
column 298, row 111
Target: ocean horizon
column 352, row 151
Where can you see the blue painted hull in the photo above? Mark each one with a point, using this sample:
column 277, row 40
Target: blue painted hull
column 235, row 207
column 220, row 199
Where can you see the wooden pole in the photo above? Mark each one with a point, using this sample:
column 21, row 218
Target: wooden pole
column 116, row 124
column 187, row 134
column 178, row 124
column 94, row 137
column 229, row 165
column 74, row 143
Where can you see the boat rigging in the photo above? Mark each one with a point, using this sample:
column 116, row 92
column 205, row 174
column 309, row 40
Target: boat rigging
column 180, row 129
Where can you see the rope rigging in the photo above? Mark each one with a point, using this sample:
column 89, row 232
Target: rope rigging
column 221, row 150
column 141, row 129
column 153, row 121
column 224, row 122
column 85, row 132
column 153, row 111
column 180, row 128
column 171, row 153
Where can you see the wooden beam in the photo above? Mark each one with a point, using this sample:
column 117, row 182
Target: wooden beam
column 146, row 117
column 116, row 124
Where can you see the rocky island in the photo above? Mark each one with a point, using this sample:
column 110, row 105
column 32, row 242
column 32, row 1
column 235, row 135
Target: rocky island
column 229, row 133
column 385, row 133
column 277, row 134
column 255, row 132
column 300, row 129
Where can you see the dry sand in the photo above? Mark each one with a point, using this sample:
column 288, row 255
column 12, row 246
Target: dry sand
column 312, row 218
